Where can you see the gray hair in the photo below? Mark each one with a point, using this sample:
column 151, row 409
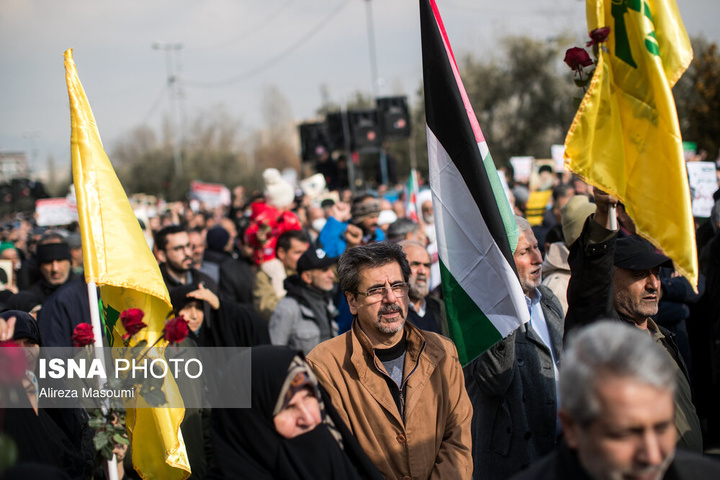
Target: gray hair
column 609, row 349
column 522, row 223
column 400, row 228
column 369, row 256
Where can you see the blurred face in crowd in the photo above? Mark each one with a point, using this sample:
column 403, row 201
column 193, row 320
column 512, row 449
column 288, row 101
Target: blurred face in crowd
column 177, row 253
column 301, row 415
column 55, row 272
column 194, row 314
column 636, row 293
column 633, row 436
column 528, row 261
column 197, row 245
column 427, row 212
column 419, row 260
column 381, row 314
column 289, row 258
column 12, row 255
column 321, row 278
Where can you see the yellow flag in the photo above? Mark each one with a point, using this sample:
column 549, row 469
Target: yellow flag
column 625, row 138
column 118, row 259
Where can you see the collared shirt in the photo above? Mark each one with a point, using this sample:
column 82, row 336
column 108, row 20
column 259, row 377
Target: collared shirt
column 539, row 324
column 421, row 309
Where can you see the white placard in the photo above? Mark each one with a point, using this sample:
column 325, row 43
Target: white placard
column 211, row 194
column 703, row 183
column 522, row 167
column 51, row 212
column 557, row 152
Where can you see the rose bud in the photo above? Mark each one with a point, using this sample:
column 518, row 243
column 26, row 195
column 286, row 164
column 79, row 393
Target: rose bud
column 83, row 335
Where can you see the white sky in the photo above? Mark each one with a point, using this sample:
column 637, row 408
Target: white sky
column 308, row 43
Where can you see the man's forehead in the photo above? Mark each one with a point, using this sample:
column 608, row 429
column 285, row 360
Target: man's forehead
column 180, row 237
column 416, row 253
column 374, row 275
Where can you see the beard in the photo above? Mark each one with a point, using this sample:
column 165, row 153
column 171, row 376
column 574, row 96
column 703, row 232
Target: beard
column 419, row 288
column 396, row 326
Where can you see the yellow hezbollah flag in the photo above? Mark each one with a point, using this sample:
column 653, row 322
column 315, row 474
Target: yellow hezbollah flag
column 118, row 259
column 625, row 138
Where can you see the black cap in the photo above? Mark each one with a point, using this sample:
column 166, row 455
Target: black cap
column 314, row 258
column 47, row 252
column 636, row 253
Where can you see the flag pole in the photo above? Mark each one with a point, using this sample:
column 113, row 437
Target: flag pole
column 612, row 217
column 111, row 465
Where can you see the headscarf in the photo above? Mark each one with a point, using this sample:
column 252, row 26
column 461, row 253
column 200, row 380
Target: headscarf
column 247, row 444
column 25, row 325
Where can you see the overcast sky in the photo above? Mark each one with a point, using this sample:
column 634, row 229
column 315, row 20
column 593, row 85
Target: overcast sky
column 233, row 49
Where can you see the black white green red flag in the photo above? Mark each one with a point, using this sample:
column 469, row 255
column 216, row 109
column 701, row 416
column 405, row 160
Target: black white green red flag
column 476, row 230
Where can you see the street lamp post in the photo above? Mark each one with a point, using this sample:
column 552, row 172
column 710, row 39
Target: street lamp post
column 172, row 82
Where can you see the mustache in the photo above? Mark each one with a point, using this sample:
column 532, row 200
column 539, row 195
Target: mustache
column 385, row 309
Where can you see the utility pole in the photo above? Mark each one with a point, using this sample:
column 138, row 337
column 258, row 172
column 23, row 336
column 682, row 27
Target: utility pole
column 173, row 85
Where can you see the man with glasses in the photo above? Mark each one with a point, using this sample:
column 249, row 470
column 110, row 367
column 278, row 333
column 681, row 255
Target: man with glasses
column 400, row 389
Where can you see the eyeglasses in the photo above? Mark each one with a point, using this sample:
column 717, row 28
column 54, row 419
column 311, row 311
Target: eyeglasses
column 376, row 294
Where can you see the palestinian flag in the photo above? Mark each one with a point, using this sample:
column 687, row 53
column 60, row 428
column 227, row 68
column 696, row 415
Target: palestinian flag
column 476, row 230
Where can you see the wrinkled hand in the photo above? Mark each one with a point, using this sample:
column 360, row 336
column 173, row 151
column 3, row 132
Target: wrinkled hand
column 7, row 329
column 353, row 235
column 205, row 295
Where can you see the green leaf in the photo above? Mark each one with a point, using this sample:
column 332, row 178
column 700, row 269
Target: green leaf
column 107, row 451
column 100, row 439
column 96, row 423
column 117, row 438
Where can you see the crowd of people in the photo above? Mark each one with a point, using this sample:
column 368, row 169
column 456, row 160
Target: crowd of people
column 616, row 375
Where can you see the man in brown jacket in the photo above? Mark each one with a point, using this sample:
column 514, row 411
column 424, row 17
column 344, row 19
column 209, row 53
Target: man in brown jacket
column 400, row 389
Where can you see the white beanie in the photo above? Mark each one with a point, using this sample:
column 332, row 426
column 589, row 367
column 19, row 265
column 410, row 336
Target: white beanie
column 278, row 192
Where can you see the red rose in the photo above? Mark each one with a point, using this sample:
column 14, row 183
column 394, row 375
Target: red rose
column 83, row 335
column 599, row 35
column 176, row 330
column 132, row 321
column 13, row 363
column 576, row 58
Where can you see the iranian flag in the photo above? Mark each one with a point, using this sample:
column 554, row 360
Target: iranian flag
column 476, row 230
column 411, row 210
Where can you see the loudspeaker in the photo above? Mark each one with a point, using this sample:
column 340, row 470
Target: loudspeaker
column 364, row 129
column 337, row 123
column 312, row 137
column 394, row 117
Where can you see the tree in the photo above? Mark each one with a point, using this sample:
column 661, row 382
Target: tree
column 523, row 104
column 697, row 97
column 277, row 145
column 213, row 152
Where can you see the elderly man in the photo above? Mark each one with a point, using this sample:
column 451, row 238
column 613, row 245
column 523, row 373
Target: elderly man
column 304, row 317
column 399, row 389
column 513, row 386
column 425, row 312
column 617, row 388
column 617, row 278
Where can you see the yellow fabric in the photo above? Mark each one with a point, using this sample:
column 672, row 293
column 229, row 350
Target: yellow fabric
column 117, row 258
column 536, row 206
column 625, row 138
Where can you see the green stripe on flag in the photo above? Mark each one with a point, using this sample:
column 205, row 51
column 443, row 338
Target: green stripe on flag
column 468, row 327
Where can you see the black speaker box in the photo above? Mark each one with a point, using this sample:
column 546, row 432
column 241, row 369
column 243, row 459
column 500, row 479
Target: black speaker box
column 394, row 117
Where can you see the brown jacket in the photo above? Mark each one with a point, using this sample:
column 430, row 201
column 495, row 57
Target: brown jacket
column 433, row 441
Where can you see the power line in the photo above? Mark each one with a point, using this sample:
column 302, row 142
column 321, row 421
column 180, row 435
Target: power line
column 258, row 25
column 263, row 66
column 155, row 104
